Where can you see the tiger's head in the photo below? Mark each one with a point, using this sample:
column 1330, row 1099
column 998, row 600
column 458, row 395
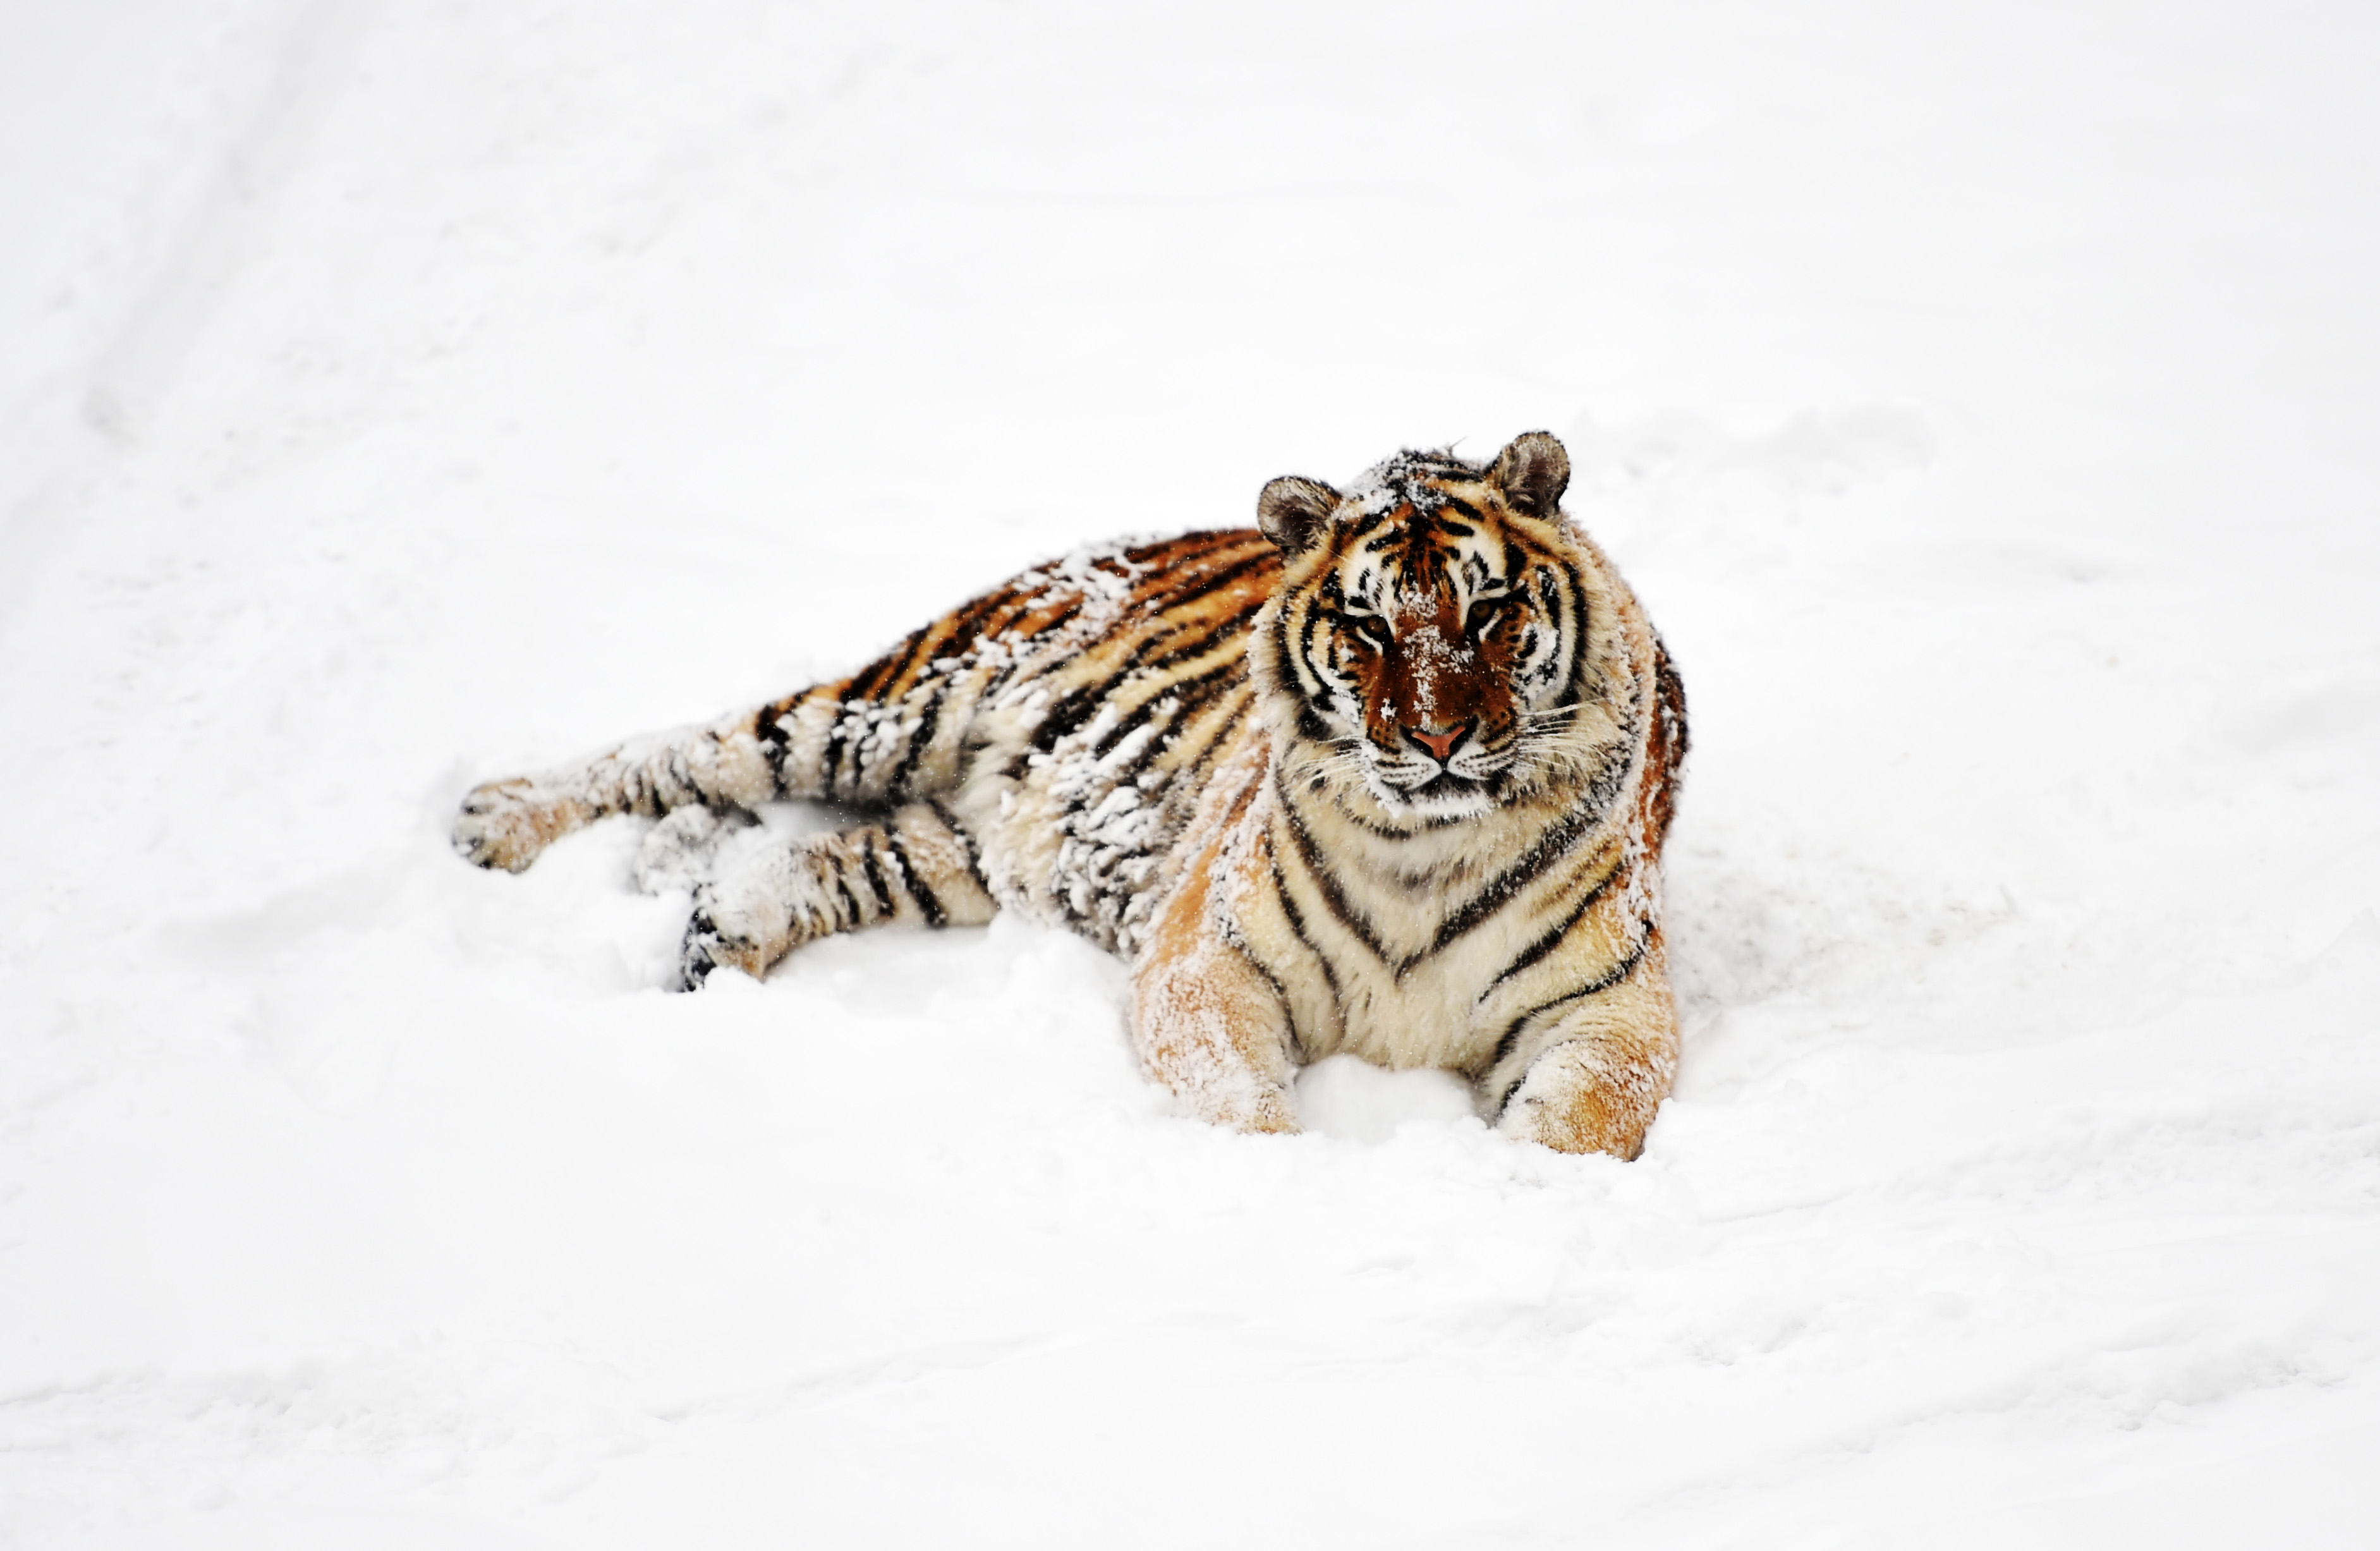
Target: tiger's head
column 1430, row 644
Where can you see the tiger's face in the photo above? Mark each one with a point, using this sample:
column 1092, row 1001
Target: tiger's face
column 1431, row 628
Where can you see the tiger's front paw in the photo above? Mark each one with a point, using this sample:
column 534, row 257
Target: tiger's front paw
column 506, row 823
column 1575, row 1107
column 1589, row 1122
column 1273, row 1113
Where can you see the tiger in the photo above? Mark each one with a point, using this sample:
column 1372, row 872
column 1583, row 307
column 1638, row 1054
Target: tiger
column 1386, row 775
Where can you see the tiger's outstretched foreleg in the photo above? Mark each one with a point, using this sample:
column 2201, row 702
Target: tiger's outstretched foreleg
column 1587, row 1074
column 915, row 868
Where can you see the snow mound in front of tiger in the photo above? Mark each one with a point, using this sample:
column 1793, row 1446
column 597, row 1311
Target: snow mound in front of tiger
column 396, row 398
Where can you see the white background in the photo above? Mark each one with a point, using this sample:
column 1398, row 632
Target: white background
column 1984, row 400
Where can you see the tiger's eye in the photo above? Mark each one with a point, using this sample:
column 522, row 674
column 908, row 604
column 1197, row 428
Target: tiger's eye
column 1374, row 629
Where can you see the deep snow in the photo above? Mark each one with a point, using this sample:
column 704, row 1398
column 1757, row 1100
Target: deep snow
column 1982, row 402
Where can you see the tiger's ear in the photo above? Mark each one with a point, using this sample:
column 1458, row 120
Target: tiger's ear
column 1292, row 511
column 1532, row 472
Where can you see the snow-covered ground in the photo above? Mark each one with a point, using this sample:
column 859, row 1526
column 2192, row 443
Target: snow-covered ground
column 1986, row 400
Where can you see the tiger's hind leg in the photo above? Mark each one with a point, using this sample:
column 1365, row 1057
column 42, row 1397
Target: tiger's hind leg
column 726, row 767
column 917, row 867
column 895, row 732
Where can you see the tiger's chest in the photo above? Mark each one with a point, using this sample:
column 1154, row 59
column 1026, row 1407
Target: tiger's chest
column 1425, row 1017
column 1414, row 965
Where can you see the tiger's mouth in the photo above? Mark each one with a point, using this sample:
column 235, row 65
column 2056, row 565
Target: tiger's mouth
column 1474, row 767
column 1444, row 784
column 1441, row 803
column 1443, row 794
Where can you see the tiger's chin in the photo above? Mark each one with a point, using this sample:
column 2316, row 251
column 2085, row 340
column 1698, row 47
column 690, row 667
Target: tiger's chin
column 1441, row 798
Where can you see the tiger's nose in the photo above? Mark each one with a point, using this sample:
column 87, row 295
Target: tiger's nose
column 1440, row 744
